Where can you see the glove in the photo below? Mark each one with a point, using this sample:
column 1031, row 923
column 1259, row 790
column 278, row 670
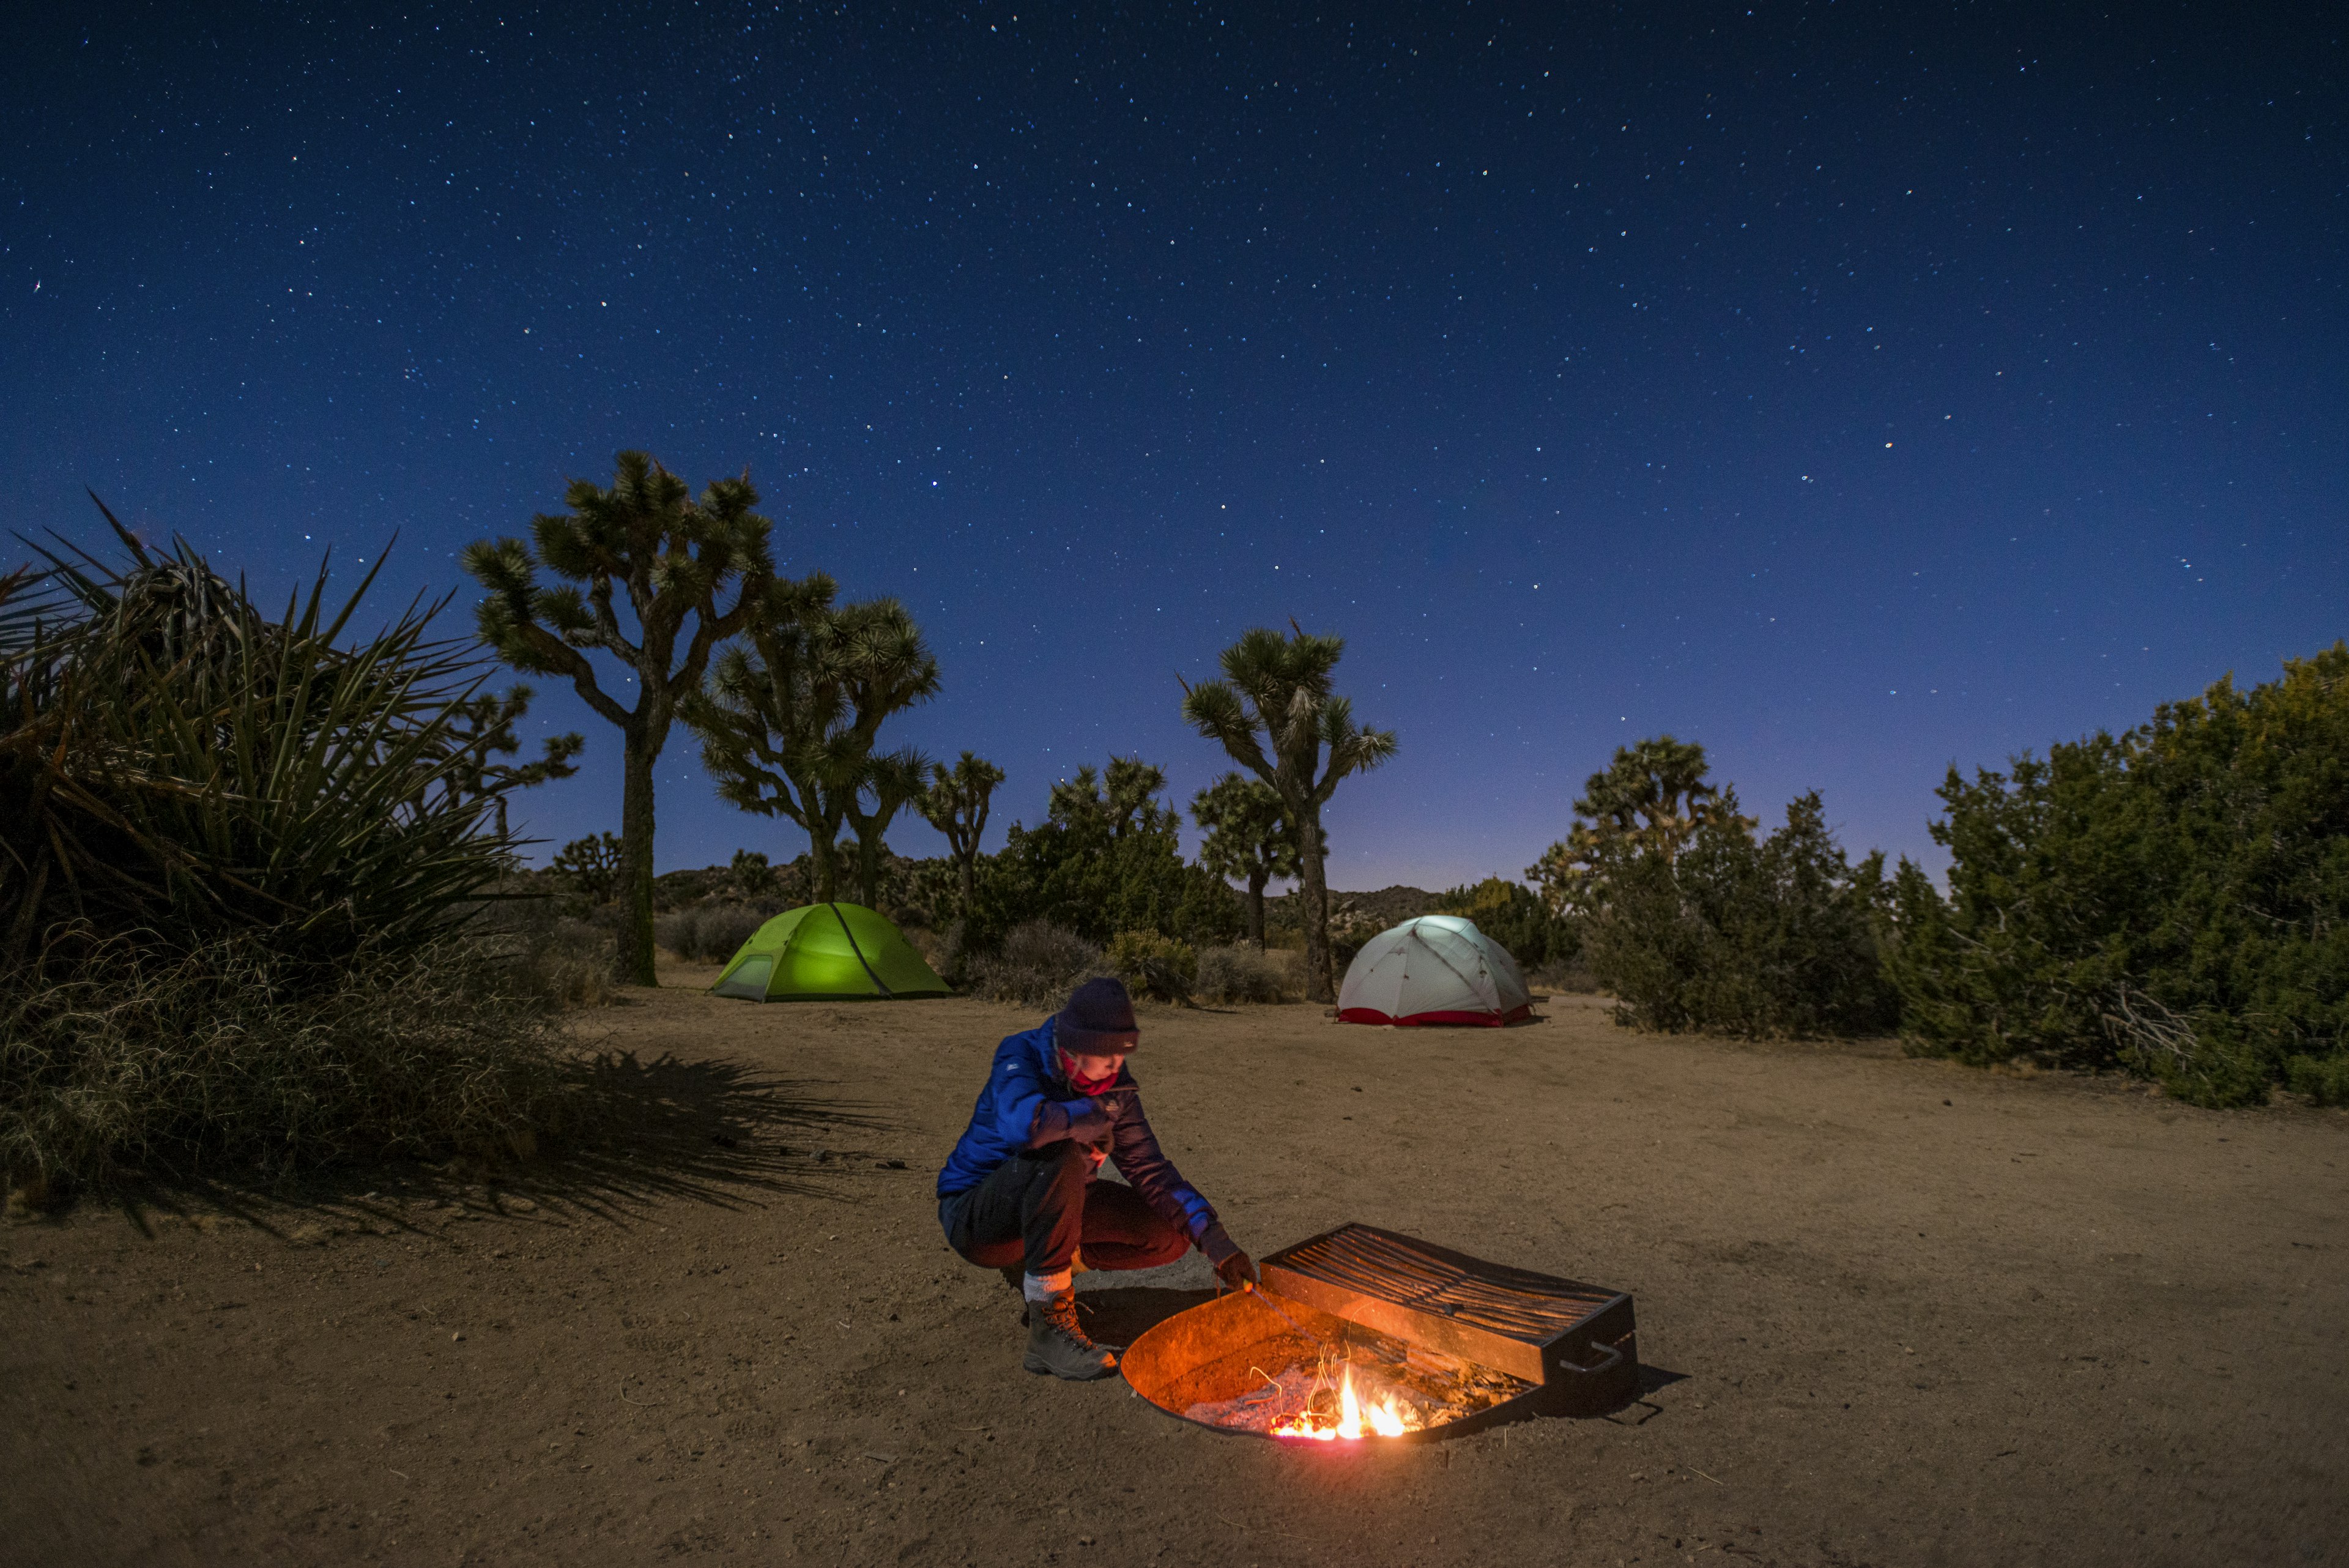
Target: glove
column 1236, row 1269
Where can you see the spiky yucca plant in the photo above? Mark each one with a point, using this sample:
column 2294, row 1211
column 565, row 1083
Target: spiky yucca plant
column 235, row 881
column 174, row 760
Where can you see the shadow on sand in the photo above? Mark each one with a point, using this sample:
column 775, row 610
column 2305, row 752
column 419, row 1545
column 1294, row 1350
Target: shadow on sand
column 1121, row 1315
column 666, row 1129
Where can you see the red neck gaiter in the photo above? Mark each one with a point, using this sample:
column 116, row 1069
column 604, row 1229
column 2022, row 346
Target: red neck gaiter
column 1082, row 1085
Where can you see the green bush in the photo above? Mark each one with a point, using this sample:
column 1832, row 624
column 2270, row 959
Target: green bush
column 1154, row 965
column 2169, row 901
column 1099, row 866
column 1776, row 937
column 1514, row 916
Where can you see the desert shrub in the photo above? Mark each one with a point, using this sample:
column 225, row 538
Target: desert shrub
column 707, row 933
column 1154, row 965
column 1572, row 975
column 1514, row 916
column 1103, row 862
column 563, row 960
column 235, row 1054
column 753, row 875
column 1036, row 964
column 2169, row 901
column 569, row 963
column 1350, row 933
column 751, row 878
column 1756, row 938
column 1243, row 974
column 678, row 930
column 1349, row 927
column 242, row 884
column 945, row 951
column 725, row 928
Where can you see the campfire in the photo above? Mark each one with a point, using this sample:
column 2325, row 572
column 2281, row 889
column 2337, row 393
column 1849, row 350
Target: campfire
column 1353, row 1383
column 1361, row 1334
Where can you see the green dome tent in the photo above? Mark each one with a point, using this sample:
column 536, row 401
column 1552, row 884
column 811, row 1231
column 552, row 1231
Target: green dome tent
column 827, row 953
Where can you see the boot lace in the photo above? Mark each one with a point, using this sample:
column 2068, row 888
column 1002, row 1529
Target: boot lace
column 1061, row 1314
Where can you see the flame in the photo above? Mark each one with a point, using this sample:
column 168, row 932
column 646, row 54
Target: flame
column 1385, row 1418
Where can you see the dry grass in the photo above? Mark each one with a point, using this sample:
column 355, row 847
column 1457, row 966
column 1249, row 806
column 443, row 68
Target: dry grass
column 231, row 1056
column 1037, row 966
column 707, row 933
column 1243, row 974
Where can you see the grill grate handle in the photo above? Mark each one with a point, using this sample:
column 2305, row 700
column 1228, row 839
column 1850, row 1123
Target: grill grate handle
column 1613, row 1359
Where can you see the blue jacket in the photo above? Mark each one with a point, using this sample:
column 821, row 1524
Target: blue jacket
column 1027, row 1104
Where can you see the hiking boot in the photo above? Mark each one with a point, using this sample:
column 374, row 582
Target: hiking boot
column 1058, row 1345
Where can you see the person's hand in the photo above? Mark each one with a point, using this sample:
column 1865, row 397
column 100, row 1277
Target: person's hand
column 1238, row 1271
column 1090, row 1120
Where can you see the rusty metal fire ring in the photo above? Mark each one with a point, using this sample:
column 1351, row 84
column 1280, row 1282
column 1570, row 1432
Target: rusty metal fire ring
column 1443, row 1343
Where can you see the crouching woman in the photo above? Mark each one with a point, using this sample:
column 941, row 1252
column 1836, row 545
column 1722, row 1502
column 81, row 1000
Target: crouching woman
column 1023, row 1190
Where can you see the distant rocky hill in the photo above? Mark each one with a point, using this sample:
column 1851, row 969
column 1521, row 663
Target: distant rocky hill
column 1387, row 907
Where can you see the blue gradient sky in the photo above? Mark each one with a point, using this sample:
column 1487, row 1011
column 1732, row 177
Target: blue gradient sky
column 1852, row 389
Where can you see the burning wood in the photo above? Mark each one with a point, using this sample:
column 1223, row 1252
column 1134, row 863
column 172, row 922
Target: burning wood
column 1367, row 1386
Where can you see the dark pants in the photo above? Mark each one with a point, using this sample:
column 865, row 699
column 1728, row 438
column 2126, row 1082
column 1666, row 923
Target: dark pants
column 1037, row 1207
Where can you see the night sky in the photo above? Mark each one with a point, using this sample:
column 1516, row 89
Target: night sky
column 1852, row 389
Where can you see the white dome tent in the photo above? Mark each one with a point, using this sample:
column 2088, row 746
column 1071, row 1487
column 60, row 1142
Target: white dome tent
column 1437, row 968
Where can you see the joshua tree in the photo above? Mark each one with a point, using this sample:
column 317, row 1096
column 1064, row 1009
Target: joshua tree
column 764, row 720
column 1127, row 802
column 752, row 876
column 1276, row 715
column 789, row 725
column 1651, row 799
column 956, row 805
column 672, row 556
column 481, row 728
column 891, row 782
column 1247, row 836
column 592, row 866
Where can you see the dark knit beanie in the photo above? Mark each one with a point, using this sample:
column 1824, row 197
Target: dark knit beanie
column 1098, row 1020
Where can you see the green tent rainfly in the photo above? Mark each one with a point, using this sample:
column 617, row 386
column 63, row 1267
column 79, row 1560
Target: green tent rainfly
column 828, row 952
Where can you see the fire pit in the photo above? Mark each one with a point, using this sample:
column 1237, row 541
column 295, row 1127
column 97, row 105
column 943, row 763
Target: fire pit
column 1362, row 1333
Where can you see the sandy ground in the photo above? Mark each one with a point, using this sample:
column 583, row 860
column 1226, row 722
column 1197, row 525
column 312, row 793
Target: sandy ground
column 1897, row 1313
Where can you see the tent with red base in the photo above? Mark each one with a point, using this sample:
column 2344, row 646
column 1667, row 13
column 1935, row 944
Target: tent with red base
column 1437, row 968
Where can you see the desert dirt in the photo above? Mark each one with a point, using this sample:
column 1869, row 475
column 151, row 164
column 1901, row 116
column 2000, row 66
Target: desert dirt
column 1895, row 1313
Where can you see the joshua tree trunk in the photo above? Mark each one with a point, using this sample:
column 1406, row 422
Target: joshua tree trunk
column 634, row 956
column 969, row 869
column 1257, row 880
column 868, row 869
column 1319, row 987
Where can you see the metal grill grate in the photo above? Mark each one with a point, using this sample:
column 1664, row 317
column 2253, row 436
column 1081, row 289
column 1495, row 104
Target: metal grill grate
column 1524, row 1306
column 1539, row 1327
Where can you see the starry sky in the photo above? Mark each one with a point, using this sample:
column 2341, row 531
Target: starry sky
column 1854, row 389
